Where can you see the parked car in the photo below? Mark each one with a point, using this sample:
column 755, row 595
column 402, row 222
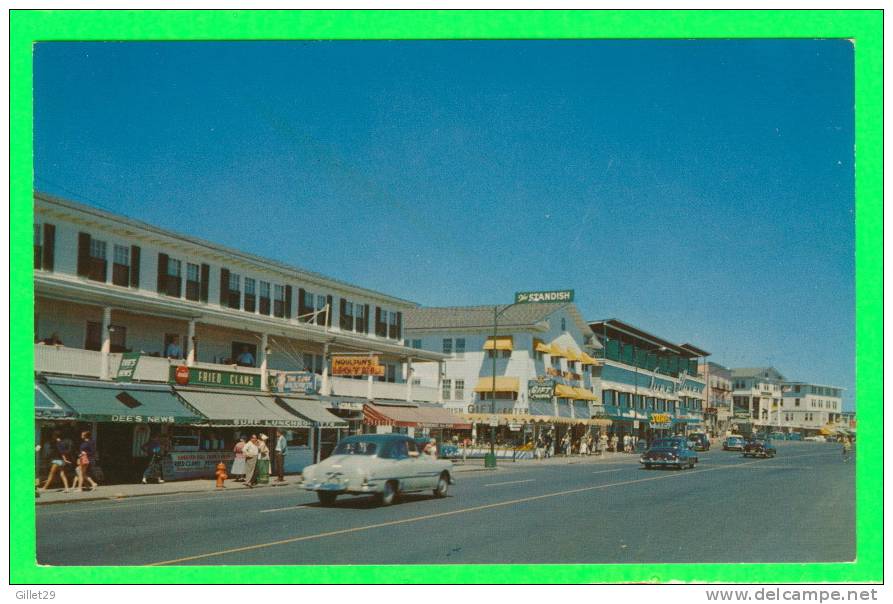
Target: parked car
column 795, row 436
column 759, row 448
column 699, row 441
column 384, row 465
column 733, row 443
column 672, row 451
column 815, row 439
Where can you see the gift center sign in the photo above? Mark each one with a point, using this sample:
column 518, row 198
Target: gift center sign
column 356, row 366
column 194, row 376
column 563, row 295
column 540, row 389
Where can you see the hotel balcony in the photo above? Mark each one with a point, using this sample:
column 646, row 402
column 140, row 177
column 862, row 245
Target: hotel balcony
column 62, row 360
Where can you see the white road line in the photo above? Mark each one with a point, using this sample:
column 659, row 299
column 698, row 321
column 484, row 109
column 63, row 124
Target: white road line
column 606, row 471
column 291, row 507
column 496, row 484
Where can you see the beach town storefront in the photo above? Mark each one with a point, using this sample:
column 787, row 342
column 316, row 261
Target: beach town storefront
column 197, row 427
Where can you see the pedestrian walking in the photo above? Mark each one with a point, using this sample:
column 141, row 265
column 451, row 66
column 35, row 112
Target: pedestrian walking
column 60, row 459
column 431, row 448
column 262, row 473
column 614, row 441
column 154, row 470
column 250, row 451
column 86, row 459
column 626, row 443
column 279, row 452
column 847, row 449
column 584, row 447
column 238, row 469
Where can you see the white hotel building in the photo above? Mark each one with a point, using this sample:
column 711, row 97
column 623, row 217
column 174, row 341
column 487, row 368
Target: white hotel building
column 105, row 285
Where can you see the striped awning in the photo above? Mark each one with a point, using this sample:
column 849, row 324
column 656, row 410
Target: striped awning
column 412, row 417
column 573, row 355
column 588, row 360
column 556, row 351
column 541, row 346
column 499, row 343
column 562, row 391
column 584, row 395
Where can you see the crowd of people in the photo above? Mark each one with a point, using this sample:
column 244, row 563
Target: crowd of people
column 546, row 445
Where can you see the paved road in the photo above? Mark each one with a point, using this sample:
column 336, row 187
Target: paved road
column 798, row 507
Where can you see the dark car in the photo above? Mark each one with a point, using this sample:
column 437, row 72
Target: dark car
column 673, row 451
column 699, row 441
column 759, row 448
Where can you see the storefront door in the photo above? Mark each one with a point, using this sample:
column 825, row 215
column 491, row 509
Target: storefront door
column 114, row 443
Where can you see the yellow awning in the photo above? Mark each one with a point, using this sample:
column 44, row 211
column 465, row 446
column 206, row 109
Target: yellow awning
column 573, row 355
column 584, row 395
column 588, row 360
column 556, row 351
column 500, row 343
column 503, row 384
column 541, row 346
column 562, row 391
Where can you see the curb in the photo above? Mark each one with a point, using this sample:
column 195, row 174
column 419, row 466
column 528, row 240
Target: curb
column 38, row 502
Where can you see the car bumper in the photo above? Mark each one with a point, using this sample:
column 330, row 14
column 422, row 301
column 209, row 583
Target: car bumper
column 661, row 462
column 342, row 488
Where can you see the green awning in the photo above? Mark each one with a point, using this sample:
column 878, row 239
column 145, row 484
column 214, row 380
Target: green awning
column 48, row 406
column 227, row 408
column 314, row 411
column 122, row 403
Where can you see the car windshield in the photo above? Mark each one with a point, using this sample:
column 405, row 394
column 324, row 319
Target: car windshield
column 356, row 447
column 665, row 443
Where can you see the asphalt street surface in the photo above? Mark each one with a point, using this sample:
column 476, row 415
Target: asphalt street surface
column 797, row 507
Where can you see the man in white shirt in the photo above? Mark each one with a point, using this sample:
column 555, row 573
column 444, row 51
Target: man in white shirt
column 250, row 451
column 279, row 451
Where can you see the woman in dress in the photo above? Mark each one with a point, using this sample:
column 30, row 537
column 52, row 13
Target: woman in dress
column 86, row 457
column 238, row 469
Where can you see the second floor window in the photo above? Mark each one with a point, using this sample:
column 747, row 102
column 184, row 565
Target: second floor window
column 250, row 300
column 460, row 390
column 447, row 346
column 278, row 301
column 121, row 266
column 193, row 281
column 347, row 318
column 234, row 298
column 91, row 258
column 264, row 298
column 460, row 348
column 447, row 390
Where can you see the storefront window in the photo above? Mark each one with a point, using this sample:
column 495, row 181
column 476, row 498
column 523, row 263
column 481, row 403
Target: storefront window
column 298, row 438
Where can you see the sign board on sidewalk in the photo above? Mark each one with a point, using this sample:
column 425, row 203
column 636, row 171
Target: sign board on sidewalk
column 345, row 365
column 564, row 295
column 494, row 421
column 127, row 366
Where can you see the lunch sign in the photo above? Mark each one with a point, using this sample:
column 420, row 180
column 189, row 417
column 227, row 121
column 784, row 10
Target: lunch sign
column 563, row 295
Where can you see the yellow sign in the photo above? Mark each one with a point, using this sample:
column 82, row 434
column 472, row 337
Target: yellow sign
column 357, row 366
column 660, row 418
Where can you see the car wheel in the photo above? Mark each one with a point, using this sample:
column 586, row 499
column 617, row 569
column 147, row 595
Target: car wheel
column 326, row 498
column 389, row 495
column 647, row 466
column 443, row 484
column 691, row 465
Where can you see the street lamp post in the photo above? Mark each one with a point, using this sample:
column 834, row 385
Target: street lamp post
column 491, row 461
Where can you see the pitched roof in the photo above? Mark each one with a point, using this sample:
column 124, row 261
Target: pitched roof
column 481, row 317
column 745, row 372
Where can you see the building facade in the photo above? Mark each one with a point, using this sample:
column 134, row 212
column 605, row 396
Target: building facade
column 756, row 396
column 810, row 408
column 648, row 386
column 718, row 397
column 109, row 289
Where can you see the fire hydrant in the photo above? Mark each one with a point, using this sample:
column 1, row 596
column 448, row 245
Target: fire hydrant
column 221, row 475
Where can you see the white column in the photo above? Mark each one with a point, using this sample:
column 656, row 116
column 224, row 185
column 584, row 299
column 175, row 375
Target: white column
column 325, row 387
column 190, row 343
column 440, row 382
column 369, row 381
column 106, row 342
column 409, row 379
column 264, row 386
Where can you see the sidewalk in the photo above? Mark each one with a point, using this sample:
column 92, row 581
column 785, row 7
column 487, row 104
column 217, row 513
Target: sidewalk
column 124, row 491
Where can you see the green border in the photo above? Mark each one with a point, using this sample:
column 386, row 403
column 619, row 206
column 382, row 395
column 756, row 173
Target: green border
column 864, row 27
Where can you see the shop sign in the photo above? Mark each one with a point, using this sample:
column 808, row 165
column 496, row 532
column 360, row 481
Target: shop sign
column 127, row 366
column 494, row 421
column 540, row 389
column 195, row 464
column 356, row 366
column 142, row 419
column 194, row 376
column 304, row 382
column 515, row 427
column 661, row 421
column 273, row 423
column 564, row 295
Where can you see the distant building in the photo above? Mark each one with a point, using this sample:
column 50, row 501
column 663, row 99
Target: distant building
column 718, row 412
column 811, row 408
column 757, row 394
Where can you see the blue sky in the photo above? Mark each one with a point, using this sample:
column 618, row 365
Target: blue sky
column 701, row 190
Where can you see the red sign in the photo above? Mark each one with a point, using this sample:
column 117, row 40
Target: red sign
column 182, row 375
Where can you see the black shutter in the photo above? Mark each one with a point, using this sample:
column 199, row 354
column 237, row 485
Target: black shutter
column 329, row 314
column 399, row 325
column 205, row 277
column 162, row 273
column 224, row 287
column 377, row 321
column 134, row 266
column 366, row 318
column 83, row 254
column 49, row 246
column 342, row 315
column 288, row 301
column 302, row 310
